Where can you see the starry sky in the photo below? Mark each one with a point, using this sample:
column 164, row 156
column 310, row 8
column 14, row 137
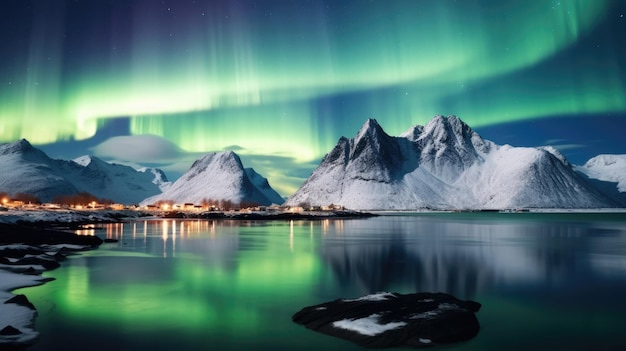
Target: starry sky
column 159, row 83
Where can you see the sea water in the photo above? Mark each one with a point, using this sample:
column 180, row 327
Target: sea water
column 545, row 281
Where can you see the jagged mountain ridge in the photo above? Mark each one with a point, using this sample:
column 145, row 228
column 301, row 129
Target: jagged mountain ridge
column 219, row 176
column 26, row 169
column 443, row 165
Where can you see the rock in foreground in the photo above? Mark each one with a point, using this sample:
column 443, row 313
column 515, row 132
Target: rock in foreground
column 26, row 251
column 390, row 319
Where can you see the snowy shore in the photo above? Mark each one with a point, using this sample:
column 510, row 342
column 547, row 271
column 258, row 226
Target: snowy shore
column 26, row 252
column 70, row 216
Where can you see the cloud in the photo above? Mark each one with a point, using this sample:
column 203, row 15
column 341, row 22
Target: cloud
column 234, row 148
column 564, row 147
column 554, row 141
column 139, row 148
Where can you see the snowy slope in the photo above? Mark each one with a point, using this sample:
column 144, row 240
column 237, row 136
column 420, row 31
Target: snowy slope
column 218, row 176
column 608, row 168
column 607, row 172
column 263, row 185
column 123, row 184
column 444, row 165
column 26, row 169
column 159, row 178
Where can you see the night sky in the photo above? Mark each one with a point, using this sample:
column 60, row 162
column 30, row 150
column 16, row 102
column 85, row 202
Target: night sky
column 159, row 83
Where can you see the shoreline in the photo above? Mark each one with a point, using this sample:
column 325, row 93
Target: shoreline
column 34, row 241
column 25, row 253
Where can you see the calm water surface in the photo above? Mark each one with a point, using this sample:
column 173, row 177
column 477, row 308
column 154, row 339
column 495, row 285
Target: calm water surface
column 546, row 281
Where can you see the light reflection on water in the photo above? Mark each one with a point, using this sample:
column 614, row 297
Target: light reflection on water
column 558, row 280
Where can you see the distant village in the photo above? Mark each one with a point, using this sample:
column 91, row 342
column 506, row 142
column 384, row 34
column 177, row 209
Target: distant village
column 87, row 202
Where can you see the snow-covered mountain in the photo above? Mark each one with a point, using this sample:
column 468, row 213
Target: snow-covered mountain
column 159, row 178
column 26, row 169
column 219, row 176
column 443, row 165
column 607, row 172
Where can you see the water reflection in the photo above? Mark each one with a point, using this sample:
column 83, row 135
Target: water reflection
column 452, row 256
column 416, row 253
column 214, row 281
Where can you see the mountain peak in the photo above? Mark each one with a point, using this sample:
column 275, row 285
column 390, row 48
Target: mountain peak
column 223, row 157
column 219, row 176
column 371, row 131
column 370, row 123
column 443, row 165
column 440, row 127
column 20, row 146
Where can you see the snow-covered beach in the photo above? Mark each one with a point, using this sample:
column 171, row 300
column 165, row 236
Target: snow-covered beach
column 26, row 252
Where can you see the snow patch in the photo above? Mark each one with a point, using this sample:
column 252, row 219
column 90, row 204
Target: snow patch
column 434, row 313
column 19, row 317
column 379, row 296
column 369, row 326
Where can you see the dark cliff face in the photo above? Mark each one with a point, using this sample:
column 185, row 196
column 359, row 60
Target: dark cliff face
column 374, row 154
column 445, row 147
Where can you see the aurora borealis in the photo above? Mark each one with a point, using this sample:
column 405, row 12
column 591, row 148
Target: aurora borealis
column 280, row 81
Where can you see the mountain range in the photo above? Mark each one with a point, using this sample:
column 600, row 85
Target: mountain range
column 444, row 165
column 28, row 170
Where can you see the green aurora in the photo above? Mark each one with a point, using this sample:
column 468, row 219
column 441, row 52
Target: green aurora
column 288, row 78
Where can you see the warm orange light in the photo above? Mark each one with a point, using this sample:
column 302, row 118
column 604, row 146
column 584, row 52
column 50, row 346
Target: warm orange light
column 5, row 200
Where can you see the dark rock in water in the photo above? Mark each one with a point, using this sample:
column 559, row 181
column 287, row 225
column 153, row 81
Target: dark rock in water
column 391, row 319
column 46, row 262
column 21, row 251
column 110, row 240
column 58, row 256
column 10, row 330
column 30, row 270
column 21, row 300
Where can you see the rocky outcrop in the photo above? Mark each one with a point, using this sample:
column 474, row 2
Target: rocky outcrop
column 25, row 252
column 390, row 319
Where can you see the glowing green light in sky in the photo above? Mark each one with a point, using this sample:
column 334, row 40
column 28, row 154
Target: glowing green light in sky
column 207, row 78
